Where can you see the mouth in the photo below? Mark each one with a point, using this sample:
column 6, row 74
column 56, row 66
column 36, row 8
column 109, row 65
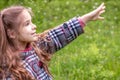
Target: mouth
column 34, row 33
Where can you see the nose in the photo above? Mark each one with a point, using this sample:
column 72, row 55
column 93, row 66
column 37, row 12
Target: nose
column 33, row 26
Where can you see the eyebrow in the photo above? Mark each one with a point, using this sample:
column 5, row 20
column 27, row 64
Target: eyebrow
column 28, row 20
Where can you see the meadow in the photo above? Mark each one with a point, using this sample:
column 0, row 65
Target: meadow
column 94, row 55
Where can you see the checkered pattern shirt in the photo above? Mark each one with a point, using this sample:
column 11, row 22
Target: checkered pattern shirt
column 60, row 36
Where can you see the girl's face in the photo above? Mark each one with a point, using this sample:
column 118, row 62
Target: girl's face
column 27, row 30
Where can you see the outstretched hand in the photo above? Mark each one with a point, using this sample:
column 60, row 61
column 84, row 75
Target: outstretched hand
column 95, row 14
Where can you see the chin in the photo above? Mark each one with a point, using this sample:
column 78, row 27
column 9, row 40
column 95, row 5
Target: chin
column 35, row 39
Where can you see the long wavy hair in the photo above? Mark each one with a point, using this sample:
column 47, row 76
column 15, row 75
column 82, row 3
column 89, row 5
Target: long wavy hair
column 10, row 61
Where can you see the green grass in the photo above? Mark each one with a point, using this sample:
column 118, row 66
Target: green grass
column 95, row 55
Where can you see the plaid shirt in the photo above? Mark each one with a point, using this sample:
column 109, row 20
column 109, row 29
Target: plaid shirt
column 60, row 36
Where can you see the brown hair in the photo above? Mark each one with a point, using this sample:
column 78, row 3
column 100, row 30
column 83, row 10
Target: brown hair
column 10, row 62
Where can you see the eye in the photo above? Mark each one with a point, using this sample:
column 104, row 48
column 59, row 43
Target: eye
column 27, row 23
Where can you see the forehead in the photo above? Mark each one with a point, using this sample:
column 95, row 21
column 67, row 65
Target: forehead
column 24, row 16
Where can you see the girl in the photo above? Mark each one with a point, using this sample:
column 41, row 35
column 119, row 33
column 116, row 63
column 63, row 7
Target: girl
column 24, row 55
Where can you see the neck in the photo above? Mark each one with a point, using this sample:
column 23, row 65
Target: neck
column 21, row 45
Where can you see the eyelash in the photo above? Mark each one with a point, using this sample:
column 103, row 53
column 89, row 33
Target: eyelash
column 27, row 23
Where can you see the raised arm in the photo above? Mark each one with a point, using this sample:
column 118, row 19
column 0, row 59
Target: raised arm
column 68, row 31
column 65, row 33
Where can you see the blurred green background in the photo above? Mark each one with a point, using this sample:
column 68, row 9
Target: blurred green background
column 95, row 55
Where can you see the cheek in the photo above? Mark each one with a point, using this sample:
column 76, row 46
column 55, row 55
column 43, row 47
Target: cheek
column 26, row 36
column 25, row 31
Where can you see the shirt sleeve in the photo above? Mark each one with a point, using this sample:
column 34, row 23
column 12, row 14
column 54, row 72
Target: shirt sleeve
column 65, row 33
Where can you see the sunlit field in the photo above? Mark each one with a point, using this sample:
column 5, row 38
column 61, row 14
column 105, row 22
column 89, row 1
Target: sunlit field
column 94, row 55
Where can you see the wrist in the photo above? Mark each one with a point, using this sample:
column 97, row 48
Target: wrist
column 81, row 22
column 85, row 18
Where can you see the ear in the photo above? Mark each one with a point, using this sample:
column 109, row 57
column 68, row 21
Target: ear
column 11, row 33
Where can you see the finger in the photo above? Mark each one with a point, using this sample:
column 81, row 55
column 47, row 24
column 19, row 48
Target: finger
column 100, row 18
column 101, row 12
column 101, row 7
column 102, row 4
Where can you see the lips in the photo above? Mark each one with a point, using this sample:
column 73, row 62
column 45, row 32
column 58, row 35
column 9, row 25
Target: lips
column 34, row 33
